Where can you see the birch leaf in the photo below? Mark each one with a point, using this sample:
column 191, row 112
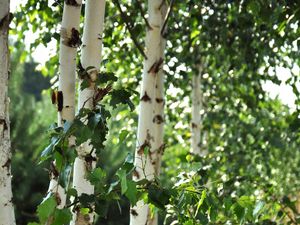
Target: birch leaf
column 46, row 209
column 131, row 192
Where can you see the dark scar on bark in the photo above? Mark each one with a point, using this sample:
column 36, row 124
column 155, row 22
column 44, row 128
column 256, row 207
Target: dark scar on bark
column 72, row 3
column 133, row 212
column 75, row 40
column 53, row 97
column 6, row 20
column 142, row 147
column 3, row 121
column 146, row 98
column 159, row 100
column 53, row 170
column 194, row 125
column 156, row 66
column 7, row 164
column 136, row 174
column 60, row 101
column 158, row 119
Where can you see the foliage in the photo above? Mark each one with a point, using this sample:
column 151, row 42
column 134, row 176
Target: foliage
column 250, row 174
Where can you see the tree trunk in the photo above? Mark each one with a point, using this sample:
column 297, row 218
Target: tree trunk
column 7, row 215
column 150, row 124
column 91, row 57
column 196, row 116
column 69, row 41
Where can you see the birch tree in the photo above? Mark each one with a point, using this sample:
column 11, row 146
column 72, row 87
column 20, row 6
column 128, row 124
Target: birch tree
column 150, row 124
column 6, row 206
column 90, row 58
column 65, row 96
column 196, row 116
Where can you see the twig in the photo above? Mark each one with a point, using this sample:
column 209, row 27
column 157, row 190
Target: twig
column 166, row 19
column 143, row 13
column 129, row 27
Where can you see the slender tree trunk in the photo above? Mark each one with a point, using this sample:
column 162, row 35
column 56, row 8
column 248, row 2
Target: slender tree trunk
column 7, row 215
column 151, row 110
column 69, row 42
column 91, row 57
column 196, row 116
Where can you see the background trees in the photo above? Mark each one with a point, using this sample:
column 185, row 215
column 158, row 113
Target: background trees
column 250, row 172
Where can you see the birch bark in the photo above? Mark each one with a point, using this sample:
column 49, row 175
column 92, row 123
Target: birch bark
column 196, row 116
column 151, row 109
column 7, row 215
column 69, row 41
column 91, row 57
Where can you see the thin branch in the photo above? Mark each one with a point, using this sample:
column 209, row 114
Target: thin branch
column 129, row 27
column 166, row 19
column 139, row 5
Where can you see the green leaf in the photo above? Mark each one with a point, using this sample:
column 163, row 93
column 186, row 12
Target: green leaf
column 96, row 176
column 85, row 200
column 201, row 200
column 122, row 174
column 131, row 192
column 84, row 84
column 121, row 97
column 128, row 164
column 62, row 217
column 72, row 192
column 122, row 136
column 46, row 208
column 104, row 78
column 84, row 211
column 158, row 196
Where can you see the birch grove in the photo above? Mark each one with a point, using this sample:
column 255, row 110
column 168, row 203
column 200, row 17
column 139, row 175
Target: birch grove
column 90, row 58
column 69, row 42
column 7, row 216
column 150, row 123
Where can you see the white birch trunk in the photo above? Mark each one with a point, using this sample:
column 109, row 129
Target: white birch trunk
column 196, row 116
column 150, row 122
column 69, row 42
column 7, row 215
column 91, row 57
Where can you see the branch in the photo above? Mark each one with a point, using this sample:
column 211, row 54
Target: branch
column 143, row 13
column 129, row 27
column 166, row 19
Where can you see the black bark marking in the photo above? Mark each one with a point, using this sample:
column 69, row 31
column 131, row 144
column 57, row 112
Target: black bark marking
column 5, row 21
column 133, row 212
column 53, row 170
column 54, row 97
column 194, row 125
column 142, row 148
column 158, row 119
column 72, row 3
column 146, row 98
column 60, row 101
column 3, row 121
column 57, row 198
column 7, row 164
column 73, row 41
column 136, row 174
column 156, row 66
column 159, row 100
column 161, row 149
